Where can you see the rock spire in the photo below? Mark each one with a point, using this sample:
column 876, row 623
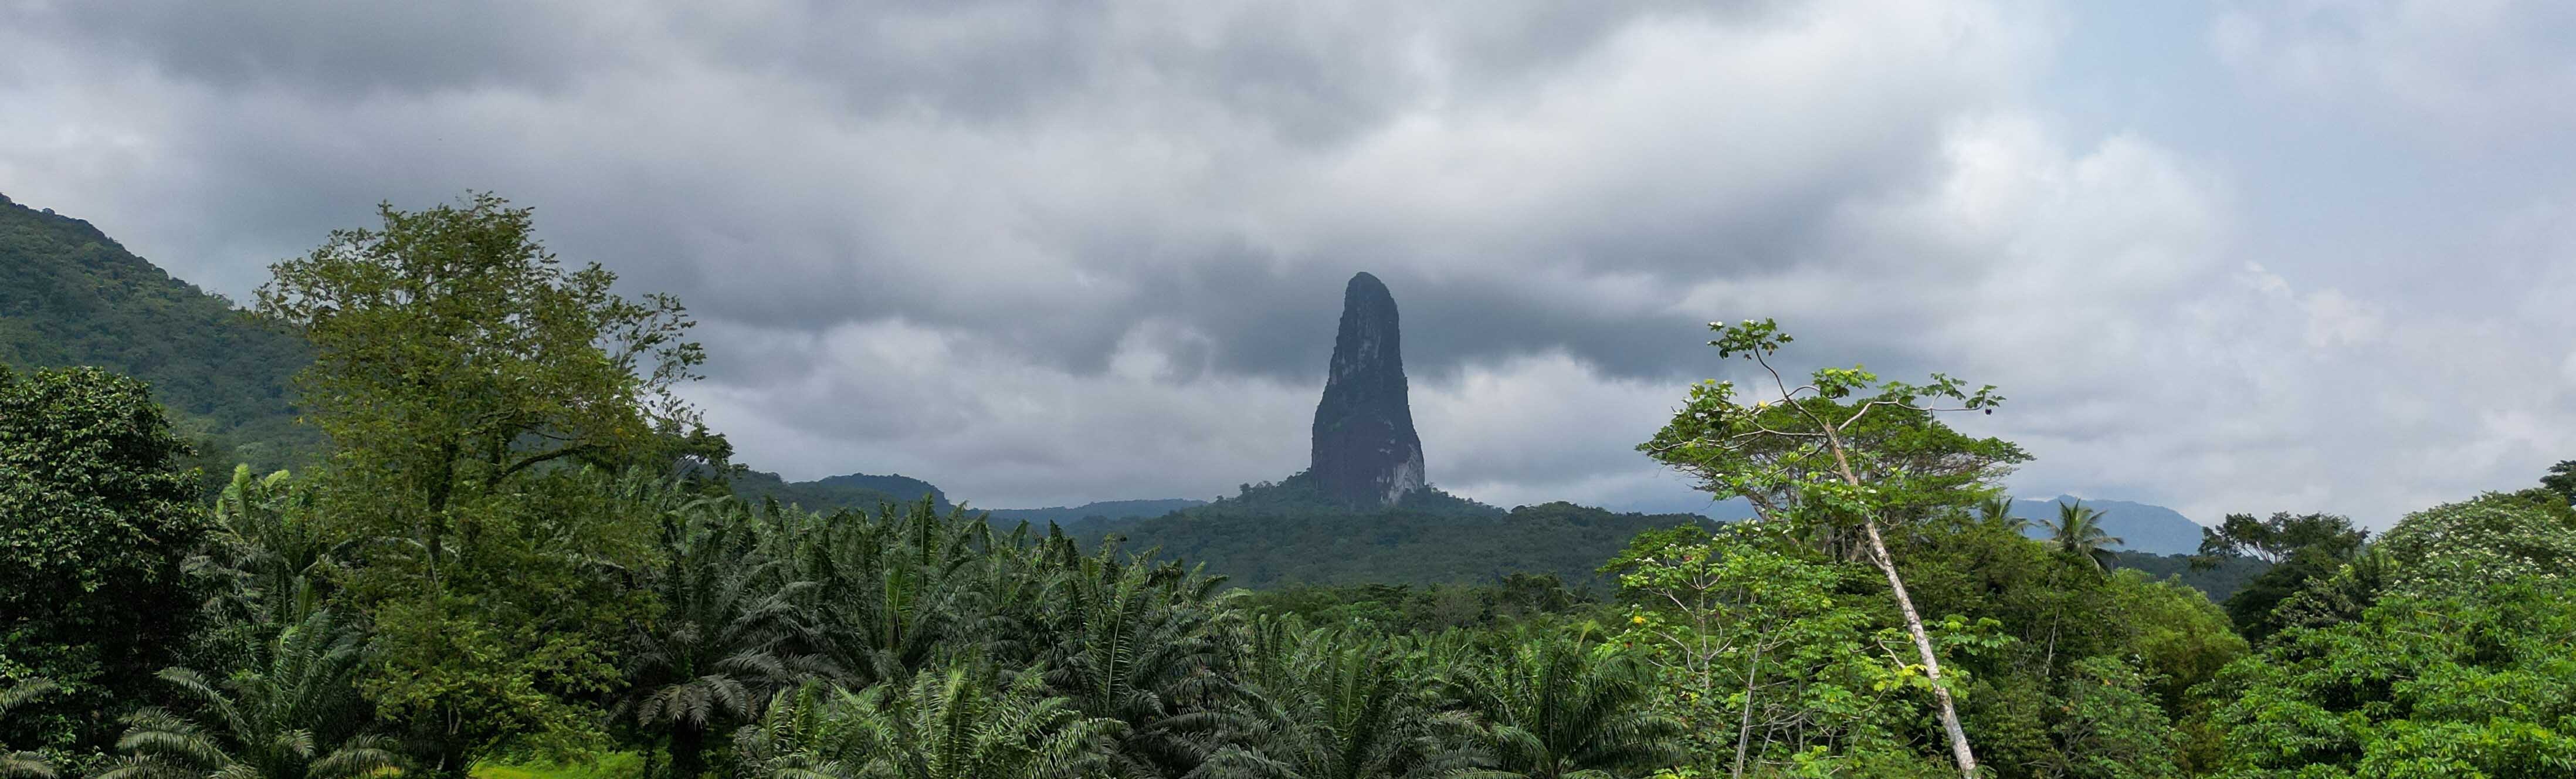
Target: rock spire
column 1365, row 450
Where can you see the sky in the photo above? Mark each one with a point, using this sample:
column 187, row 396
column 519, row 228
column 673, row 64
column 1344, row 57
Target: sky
column 2307, row 255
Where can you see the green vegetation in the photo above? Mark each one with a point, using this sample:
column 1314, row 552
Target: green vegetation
column 520, row 557
column 71, row 296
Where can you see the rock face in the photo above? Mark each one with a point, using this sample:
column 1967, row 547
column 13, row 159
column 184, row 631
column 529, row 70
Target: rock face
column 1365, row 450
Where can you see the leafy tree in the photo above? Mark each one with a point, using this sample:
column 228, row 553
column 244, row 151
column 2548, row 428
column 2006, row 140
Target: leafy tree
column 2113, row 729
column 1843, row 452
column 2469, row 681
column 2494, row 538
column 2299, row 548
column 1766, row 664
column 23, row 764
column 1559, row 706
column 96, row 519
column 2078, row 532
column 952, row 724
column 294, row 714
column 458, row 367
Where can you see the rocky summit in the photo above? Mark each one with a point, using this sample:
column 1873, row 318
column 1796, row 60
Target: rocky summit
column 1365, row 450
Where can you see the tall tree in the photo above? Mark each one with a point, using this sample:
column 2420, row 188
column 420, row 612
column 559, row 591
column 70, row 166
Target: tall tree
column 1845, row 451
column 97, row 518
column 459, row 370
column 2078, row 531
column 2301, row 549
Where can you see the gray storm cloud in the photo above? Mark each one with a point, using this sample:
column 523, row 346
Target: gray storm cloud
column 1042, row 253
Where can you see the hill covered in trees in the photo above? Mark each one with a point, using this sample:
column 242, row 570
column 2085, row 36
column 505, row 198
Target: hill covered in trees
column 70, row 295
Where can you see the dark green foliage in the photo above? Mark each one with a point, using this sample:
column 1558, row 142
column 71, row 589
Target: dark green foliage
column 1331, row 703
column 1070, row 517
column 1398, row 609
column 1271, row 542
column 2561, row 480
column 96, row 519
column 69, row 296
column 23, row 764
column 2218, row 580
column 2298, row 548
column 291, row 711
column 1552, row 707
column 756, row 487
column 960, row 723
column 728, row 635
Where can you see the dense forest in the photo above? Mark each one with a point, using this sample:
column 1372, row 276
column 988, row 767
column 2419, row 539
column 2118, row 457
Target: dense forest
column 517, row 553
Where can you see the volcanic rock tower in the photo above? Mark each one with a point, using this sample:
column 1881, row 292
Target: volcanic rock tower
column 1365, row 450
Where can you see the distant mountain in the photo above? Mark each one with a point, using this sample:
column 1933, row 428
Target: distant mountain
column 1073, row 516
column 70, row 295
column 860, row 491
column 903, row 488
column 2145, row 528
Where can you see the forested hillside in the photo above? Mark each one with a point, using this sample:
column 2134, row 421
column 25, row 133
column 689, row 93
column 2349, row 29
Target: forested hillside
column 69, row 295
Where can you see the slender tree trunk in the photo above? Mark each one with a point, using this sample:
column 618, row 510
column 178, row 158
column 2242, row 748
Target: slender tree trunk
column 1959, row 750
column 1744, row 727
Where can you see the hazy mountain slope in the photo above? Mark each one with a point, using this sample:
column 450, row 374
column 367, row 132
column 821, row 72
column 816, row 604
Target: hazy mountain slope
column 70, row 295
column 2145, row 528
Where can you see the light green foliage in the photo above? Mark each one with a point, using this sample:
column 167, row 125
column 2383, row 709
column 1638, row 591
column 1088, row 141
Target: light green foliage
column 2497, row 537
column 959, row 723
column 290, row 714
column 1836, row 459
column 1765, row 663
column 96, row 518
column 2471, row 681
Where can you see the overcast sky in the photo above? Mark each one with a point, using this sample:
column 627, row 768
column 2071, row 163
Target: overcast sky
column 2306, row 255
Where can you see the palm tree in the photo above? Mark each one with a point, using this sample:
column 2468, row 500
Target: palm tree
column 1999, row 509
column 1137, row 641
column 24, row 765
column 2078, row 531
column 950, row 724
column 1325, row 705
column 1555, row 708
column 722, row 644
column 293, row 715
